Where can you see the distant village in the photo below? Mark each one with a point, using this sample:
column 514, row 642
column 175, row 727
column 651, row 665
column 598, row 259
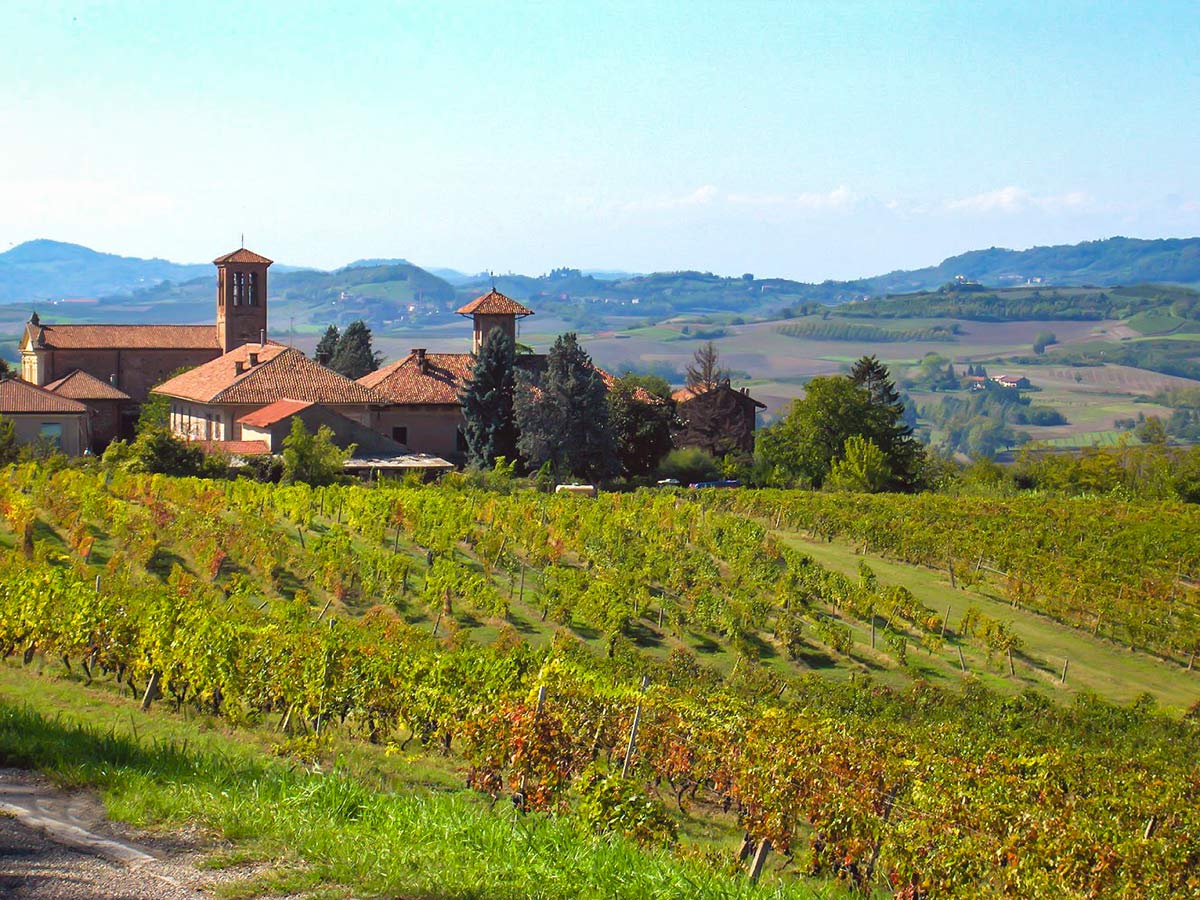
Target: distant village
column 233, row 390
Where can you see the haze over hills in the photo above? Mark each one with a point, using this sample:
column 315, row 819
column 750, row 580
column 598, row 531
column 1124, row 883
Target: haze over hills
column 394, row 291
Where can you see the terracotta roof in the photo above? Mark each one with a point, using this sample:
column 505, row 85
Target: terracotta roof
column 439, row 382
column 274, row 412
column 17, row 396
column 280, row 372
column 79, row 385
column 494, row 303
column 683, row 395
column 236, row 448
column 241, row 256
column 445, row 374
column 124, row 337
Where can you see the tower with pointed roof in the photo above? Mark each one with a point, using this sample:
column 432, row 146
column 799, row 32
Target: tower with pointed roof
column 241, row 298
column 493, row 310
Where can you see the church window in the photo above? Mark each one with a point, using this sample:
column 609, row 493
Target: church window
column 252, row 289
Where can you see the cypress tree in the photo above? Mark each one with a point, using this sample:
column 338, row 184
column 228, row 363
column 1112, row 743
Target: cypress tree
column 327, row 346
column 354, row 356
column 487, row 403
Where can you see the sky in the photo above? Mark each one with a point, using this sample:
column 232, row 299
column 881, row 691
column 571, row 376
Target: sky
column 794, row 139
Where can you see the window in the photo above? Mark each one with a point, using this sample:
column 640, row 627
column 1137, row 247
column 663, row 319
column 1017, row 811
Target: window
column 252, row 289
column 400, row 434
column 51, row 433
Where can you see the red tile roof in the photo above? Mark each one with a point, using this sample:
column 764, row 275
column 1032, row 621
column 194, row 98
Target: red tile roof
column 280, row 372
column 236, row 448
column 439, row 382
column 494, row 303
column 274, row 412
column 17, row 396
column 125, row 337
column 79, row 385
column 445, row 374
column 683, row 395
column 241, row 256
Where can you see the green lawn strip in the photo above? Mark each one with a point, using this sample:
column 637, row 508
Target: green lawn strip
column 1096, row 664
column 319, row 830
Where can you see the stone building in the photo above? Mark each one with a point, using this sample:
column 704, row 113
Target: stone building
column 42, row 416
column 719, row 420
column 134, row 358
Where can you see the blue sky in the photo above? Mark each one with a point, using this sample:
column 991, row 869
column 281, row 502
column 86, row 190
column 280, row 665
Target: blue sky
column 811, row 140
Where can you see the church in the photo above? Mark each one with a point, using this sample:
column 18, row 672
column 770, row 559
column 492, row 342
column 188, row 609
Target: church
column 234, row 389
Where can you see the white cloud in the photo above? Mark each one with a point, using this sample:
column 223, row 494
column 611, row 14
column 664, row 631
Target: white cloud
column 1013, row 199
column 701, row 196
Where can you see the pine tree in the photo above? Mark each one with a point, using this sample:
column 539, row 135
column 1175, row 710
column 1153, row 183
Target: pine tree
column 562, row 416
column 327, row 346
column 886, row 424
column 487, row 403
column 354, row 356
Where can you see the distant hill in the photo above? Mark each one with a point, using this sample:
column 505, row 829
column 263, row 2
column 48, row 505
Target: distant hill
column 393, row 292
column 1117, row 260
column 42, row 270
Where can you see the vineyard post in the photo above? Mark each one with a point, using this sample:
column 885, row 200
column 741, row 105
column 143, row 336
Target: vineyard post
column 436, row 623
column 760, row 857
column 637, row 717
column 300, row 534
column 151, row 691
column 396, row 541
column 1192, row 661
column 97, row 583
column 945, row 621
column 950, row 569
column 872, row 631
column 521, row 593
column 962, row 662
column 324, row 608
column 1151, row 827
column 541, row 700
column 1011, row 670
column 1066, row 665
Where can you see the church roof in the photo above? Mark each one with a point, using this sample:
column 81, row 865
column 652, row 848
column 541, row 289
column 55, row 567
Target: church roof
column 494, row 303
column 17, row 396
column 79, row 385
column 122, row 337
column 278, row 373
column 241, row 255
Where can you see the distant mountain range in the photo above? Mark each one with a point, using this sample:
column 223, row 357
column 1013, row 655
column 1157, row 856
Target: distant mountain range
column 394, row 292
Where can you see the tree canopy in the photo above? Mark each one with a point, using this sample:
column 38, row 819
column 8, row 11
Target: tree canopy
column 641, row 428
column 312, row 458
column 352, row 354
column 562, row 416
column 487, row 403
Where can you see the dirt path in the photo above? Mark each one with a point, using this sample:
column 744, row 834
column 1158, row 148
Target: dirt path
column 57, row 844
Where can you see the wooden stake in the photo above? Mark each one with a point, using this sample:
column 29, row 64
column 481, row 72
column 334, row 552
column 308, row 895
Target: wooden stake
column 872, row 631
column 541, row 700
column 760, row 857
column 321, row 614
column 950, row 569
column 1151, row 826
column 521, row 593
column 151, row 691
column 962, row 662
column 945, row 622
column 1011, row 670
column 436, row 623
column 300, row 534
column 97, row 584
column 637, row 717
column 1066, row 665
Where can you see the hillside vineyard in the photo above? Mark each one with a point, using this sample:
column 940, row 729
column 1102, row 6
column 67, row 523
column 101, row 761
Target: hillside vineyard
column 942, row 791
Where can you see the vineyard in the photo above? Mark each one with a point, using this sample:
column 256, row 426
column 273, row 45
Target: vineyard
column 547, row 642
column 856, row 331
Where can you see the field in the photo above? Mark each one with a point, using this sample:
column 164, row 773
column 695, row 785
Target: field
column 795, row 688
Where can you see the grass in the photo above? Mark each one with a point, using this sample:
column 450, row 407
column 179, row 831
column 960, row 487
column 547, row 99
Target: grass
column 330, row 833
column 1097, row 664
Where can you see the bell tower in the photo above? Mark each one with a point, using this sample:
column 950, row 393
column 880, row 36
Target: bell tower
column 241, row 298
column 493, row 310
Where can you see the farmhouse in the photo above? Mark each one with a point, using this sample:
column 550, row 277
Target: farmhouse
column 718, row 420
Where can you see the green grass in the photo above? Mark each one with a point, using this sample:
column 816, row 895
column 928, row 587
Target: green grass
column 1096, row 664
column 327, row 833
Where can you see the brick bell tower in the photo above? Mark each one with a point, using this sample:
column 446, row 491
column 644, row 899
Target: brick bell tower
column 241, row 298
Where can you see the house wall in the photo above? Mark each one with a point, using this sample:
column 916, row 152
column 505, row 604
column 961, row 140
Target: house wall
column 137, row 371
column 105, row 421
column 28, row 428
column 431, row 429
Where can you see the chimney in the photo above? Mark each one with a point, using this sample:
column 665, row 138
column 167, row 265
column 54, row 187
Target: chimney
column 253, row 359
column 238, row 367
column 422, row 362
column 112, row 379
column 262, row 337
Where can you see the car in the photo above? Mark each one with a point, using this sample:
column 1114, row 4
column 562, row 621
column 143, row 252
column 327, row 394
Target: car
column 668, row 482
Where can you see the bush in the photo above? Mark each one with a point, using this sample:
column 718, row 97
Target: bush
column 689, row 465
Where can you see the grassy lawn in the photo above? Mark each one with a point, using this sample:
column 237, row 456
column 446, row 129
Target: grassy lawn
column 1096, row 664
